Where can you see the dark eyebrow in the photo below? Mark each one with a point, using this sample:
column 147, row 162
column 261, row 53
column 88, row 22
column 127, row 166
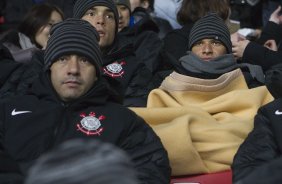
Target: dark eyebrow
column 108, row 10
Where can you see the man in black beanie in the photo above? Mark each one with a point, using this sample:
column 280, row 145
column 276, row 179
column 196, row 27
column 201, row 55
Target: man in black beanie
column 71, row 99
column 121, row 62
column 210, row 53
column 212, row 91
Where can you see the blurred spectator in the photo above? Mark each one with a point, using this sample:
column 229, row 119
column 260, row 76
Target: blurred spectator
column 264, row 52
column 65, row 5
column 14, row 10
column 145, row 9
column 248, row 13
column 168, row 10
column 81, row 161
column 33, row 32
column 143, row 35
column 267, row 53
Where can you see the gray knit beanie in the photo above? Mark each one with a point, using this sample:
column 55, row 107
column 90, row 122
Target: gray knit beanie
column 73, row 36
column 210, row 26
column 81, row 7
column 123, row 2
column 83, row 161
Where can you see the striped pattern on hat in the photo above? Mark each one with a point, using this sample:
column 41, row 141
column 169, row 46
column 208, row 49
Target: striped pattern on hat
column 73, row 36
column 81, row 7
column 210, row 26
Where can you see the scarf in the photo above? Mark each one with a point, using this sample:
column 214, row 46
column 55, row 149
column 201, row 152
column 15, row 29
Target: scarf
column 25, row 42
column 218, row 65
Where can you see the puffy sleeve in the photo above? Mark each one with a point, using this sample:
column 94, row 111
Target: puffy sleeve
column 147, row 153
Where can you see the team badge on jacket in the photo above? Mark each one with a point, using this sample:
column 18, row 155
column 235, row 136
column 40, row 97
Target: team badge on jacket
column 90, row 125
column 115, row 69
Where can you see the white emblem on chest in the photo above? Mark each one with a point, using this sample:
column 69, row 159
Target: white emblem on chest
column 115, row 69
column 90, row 123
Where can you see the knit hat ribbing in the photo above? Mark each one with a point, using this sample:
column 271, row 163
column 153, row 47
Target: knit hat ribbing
column 123, row 2
column 210, row 26
column 73, row 36
column 81, row 7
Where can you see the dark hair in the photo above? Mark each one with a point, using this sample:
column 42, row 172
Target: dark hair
column 37, row 17
column 193, row 10
column 83, row 161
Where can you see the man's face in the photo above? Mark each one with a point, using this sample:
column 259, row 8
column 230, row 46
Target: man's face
column 72, row 76
column 124, row 17
column 208, row 49
column 102, row 18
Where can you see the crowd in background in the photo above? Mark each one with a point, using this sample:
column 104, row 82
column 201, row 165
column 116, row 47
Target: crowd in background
column 205, row 75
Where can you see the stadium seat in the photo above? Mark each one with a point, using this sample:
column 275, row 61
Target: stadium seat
column 211, row 178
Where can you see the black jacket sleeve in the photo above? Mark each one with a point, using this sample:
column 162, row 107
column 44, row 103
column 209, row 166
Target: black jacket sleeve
column 267, row 173
column 258, row 149
column 148, row 154
column 271, row 31
column 260, row 55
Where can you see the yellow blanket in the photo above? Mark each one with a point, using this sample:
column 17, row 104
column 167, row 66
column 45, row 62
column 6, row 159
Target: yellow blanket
column 202, row 122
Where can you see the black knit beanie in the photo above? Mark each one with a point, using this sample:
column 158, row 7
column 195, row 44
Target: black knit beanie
column 81, row 7
column 210, row 26
column 123, row 2
column 73, row 36
column 81, row 161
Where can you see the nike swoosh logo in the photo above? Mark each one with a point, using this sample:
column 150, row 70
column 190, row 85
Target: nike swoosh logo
column 277, row 112
column 14, row 112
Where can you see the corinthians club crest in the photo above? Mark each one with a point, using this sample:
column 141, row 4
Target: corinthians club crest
column 114, row 69
column 90, row 125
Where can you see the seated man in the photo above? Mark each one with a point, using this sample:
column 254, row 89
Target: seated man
column 204, row 110
column 71, row 100
column 120, row 60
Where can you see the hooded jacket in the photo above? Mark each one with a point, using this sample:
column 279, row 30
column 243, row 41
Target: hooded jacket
column 33, row 124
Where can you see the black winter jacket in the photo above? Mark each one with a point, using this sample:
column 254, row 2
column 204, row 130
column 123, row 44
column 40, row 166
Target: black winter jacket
column 10, row 75
column 33, row 124
column 259, row 158
column 256, row 53
column 130, row 75
column 144, row 38
column 176, row 42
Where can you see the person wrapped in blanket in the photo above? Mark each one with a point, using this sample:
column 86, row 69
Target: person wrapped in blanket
column 205, row 109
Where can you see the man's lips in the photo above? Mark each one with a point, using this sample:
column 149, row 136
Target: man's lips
column 72, row 83
column 101, row 33
column 206, row 58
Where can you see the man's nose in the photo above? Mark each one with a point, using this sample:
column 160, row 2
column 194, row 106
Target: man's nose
column 100, row 19
column 207, row 48
column 73, row 65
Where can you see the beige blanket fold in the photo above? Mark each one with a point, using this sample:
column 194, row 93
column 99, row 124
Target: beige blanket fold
column 203, row 122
